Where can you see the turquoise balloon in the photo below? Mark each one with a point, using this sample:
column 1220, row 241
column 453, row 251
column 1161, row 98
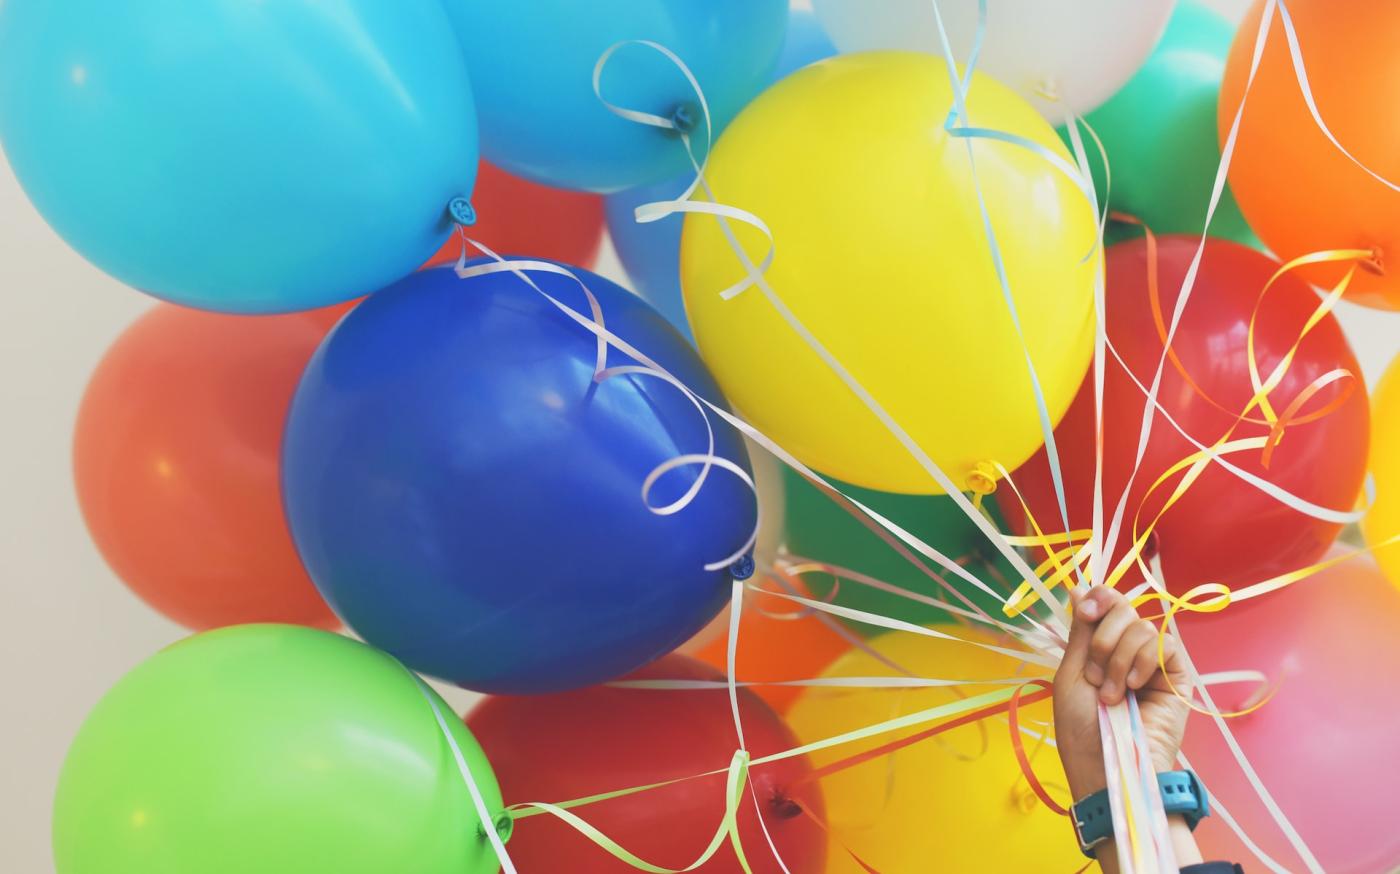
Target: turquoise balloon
column 532, row 64
column 272, row 749
column 240, row 156
column 1159, row 132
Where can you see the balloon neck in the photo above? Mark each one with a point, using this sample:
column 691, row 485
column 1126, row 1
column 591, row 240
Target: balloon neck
column 783, row 807
column 683, row 117
column 743, row 568
column 504, row 825
column 1151, row 546
column 460, row 210
column 1048, row 89
column 1374, row 265
column 981, row 480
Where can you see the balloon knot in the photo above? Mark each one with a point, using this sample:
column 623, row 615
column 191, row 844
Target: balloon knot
column 504, row 825
column 683, row 118
column 1023, row 798
column 743, row 568
column 1048, row 89
column 982, row 480
column 785, row 808
column 461, row 211
column 1376, row 263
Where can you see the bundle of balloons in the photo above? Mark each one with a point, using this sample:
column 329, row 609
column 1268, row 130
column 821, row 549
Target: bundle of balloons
column 935, row 310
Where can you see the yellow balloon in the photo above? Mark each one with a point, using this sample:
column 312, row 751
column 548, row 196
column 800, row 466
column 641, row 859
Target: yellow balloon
column 944, row 803
column 1383, row 520
column 881, row 253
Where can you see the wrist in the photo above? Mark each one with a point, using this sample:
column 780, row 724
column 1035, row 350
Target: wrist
column 1085, row 781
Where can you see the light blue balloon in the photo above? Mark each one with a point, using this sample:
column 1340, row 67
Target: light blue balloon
column 235, row 155
column 532, row 64
column 651, row 253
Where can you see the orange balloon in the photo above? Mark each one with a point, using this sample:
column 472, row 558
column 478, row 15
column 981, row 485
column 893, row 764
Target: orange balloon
column 515, row 216
column 176, row 461
column 1298, row 191
column 775, row 646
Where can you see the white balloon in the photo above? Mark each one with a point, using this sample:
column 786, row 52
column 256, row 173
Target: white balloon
column 1064, row 56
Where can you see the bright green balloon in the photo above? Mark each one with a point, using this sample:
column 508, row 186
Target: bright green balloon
column 1159, row 132
column 270, row 749
column 817, row 528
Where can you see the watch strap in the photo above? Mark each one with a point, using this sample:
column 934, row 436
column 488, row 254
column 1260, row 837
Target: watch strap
column 1181, row 791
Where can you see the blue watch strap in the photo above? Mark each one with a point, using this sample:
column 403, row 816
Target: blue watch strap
column 1182, row 793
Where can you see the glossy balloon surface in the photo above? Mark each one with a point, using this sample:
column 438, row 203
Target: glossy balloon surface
column 469, row 499
column 1223, row 530
column 270, row 748
column 176, row 459
column 235, row 156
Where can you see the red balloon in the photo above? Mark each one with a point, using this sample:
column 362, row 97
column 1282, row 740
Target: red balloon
column 1224, row 529
column 564, row 746
column 176, row 461
column 1324, row 745
column 518, row 217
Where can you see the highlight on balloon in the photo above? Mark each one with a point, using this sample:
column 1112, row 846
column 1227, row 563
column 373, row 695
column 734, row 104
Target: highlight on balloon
column 732, row 436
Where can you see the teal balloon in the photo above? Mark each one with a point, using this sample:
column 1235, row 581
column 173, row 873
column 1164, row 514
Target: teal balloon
column 818, row 528
column 273, row 749
column 1159, row 132
column 240, row 156
column 532, row 64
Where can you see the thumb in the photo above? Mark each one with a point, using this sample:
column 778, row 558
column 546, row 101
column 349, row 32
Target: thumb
column 1081, row 631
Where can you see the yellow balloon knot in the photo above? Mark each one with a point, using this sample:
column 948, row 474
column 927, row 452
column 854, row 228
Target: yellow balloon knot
column 982, row 480
column 1023, row 798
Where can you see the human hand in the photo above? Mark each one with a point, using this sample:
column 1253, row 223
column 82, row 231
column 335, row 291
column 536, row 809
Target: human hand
column 1111, row 651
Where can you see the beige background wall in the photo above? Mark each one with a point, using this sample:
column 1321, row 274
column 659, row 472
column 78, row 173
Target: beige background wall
column 68, row 629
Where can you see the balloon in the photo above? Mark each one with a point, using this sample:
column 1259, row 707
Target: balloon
column 877, row 224
column 1159, row 132
column 1328, row 642
column 270, row 748
column 1223, row 530
column 176, row 457
column 1065, row 57
column 240, row 157
column 821, row 530
column 469, row 499
column 651, row 252
column 1382, row 522
column 559, row 747
column 516, row 216
column 955, row 802
column 533, row 68
column 1299, row 192
column 778, row 640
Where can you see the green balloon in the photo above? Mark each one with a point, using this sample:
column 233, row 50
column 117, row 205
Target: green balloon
column 819, row 529
column 273, row 749
column 1159, row 132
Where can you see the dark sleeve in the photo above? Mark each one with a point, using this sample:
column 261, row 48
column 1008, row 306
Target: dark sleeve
column 1213, row 868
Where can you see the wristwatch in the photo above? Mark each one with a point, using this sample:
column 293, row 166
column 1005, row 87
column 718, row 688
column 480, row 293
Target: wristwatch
column 1182, row 793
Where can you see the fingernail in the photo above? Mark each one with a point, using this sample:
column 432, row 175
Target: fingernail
column 1089, row 608
column 1133, row 678
column 1093, row 673
column 1108, row 691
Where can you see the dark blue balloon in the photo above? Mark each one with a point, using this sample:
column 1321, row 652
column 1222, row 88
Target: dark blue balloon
column 468, row 499
column 651, row 253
